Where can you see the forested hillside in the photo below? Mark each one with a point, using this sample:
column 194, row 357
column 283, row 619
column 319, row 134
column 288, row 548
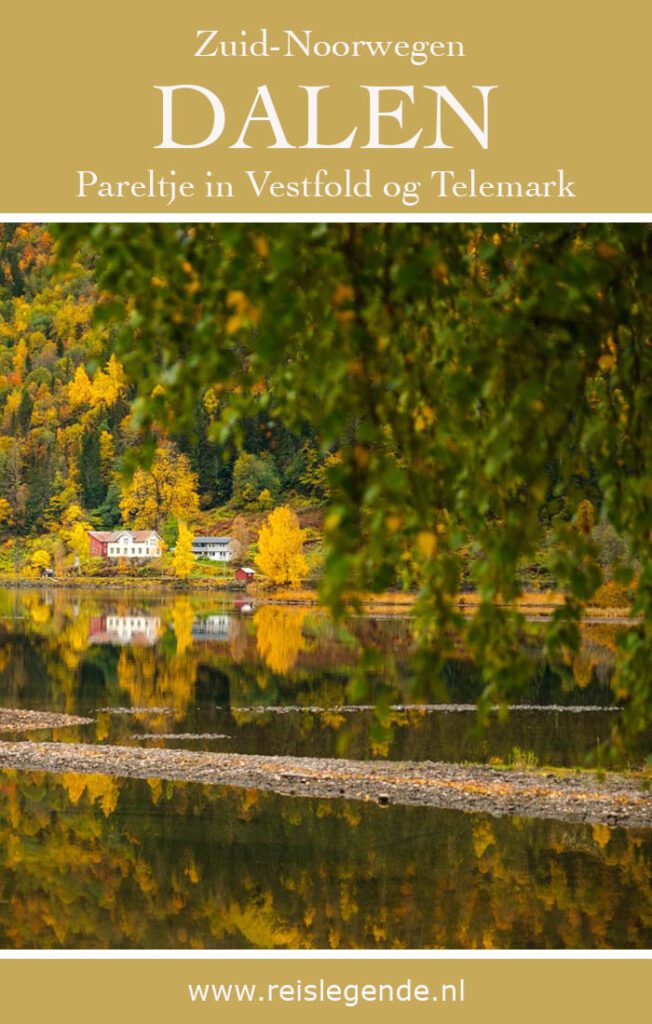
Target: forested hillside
column 66, row 423
column 69, row 418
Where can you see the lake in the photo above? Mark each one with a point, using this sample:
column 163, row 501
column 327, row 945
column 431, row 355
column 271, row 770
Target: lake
column 98, row 861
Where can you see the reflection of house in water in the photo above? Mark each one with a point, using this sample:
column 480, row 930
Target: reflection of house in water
column 212, row 627
column 137, row 629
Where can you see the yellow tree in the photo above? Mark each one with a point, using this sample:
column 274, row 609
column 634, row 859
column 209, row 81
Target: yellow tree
column 107, row 454
column 6, row 516
column 41, row 560
column 280, row 548
column 20, row 359
column 109, row 384
column 168, row 488
column 75, row 531
column 184, row 558
column 79, row 388
column 12, row 406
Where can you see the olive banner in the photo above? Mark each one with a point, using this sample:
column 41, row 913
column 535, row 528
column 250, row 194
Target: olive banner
column 458, row 990
column 343, row 110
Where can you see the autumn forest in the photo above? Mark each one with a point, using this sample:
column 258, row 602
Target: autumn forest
column 67, row 423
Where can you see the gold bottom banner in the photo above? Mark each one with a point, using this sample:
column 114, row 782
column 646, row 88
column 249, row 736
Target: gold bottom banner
column 509, row 991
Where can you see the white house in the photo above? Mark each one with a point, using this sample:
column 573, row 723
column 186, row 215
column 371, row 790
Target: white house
column 126, row 544
column 217, row 549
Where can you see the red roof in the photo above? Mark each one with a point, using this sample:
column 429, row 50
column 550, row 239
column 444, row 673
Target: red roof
column 110, row 536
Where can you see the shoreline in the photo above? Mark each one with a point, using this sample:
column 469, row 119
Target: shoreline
column 535, row 606
column 616, row 799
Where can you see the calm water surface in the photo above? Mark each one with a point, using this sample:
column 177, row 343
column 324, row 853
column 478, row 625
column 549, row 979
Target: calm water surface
column 105, row 862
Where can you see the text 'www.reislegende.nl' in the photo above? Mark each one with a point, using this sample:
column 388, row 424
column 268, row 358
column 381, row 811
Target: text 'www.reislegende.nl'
column 323, row 991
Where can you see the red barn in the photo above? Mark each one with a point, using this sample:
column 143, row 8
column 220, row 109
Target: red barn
column 244, row 575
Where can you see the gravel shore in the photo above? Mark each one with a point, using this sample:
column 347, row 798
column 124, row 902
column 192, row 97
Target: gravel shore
column 15, row 720
column 617, row 799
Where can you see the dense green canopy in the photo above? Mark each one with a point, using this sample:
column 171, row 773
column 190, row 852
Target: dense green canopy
column 481, row 387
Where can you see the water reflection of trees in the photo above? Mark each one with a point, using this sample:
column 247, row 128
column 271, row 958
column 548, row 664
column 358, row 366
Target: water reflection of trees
column 93, row 861
column 76, row 652
column 280, row 635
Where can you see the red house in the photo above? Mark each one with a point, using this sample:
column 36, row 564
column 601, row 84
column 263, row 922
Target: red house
column 99, row 543
column 244, row 575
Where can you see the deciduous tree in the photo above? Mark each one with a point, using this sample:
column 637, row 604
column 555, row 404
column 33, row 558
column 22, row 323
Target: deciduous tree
column 280, row 548
column 167, row 488
column 184, row 558
column 41, row 559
